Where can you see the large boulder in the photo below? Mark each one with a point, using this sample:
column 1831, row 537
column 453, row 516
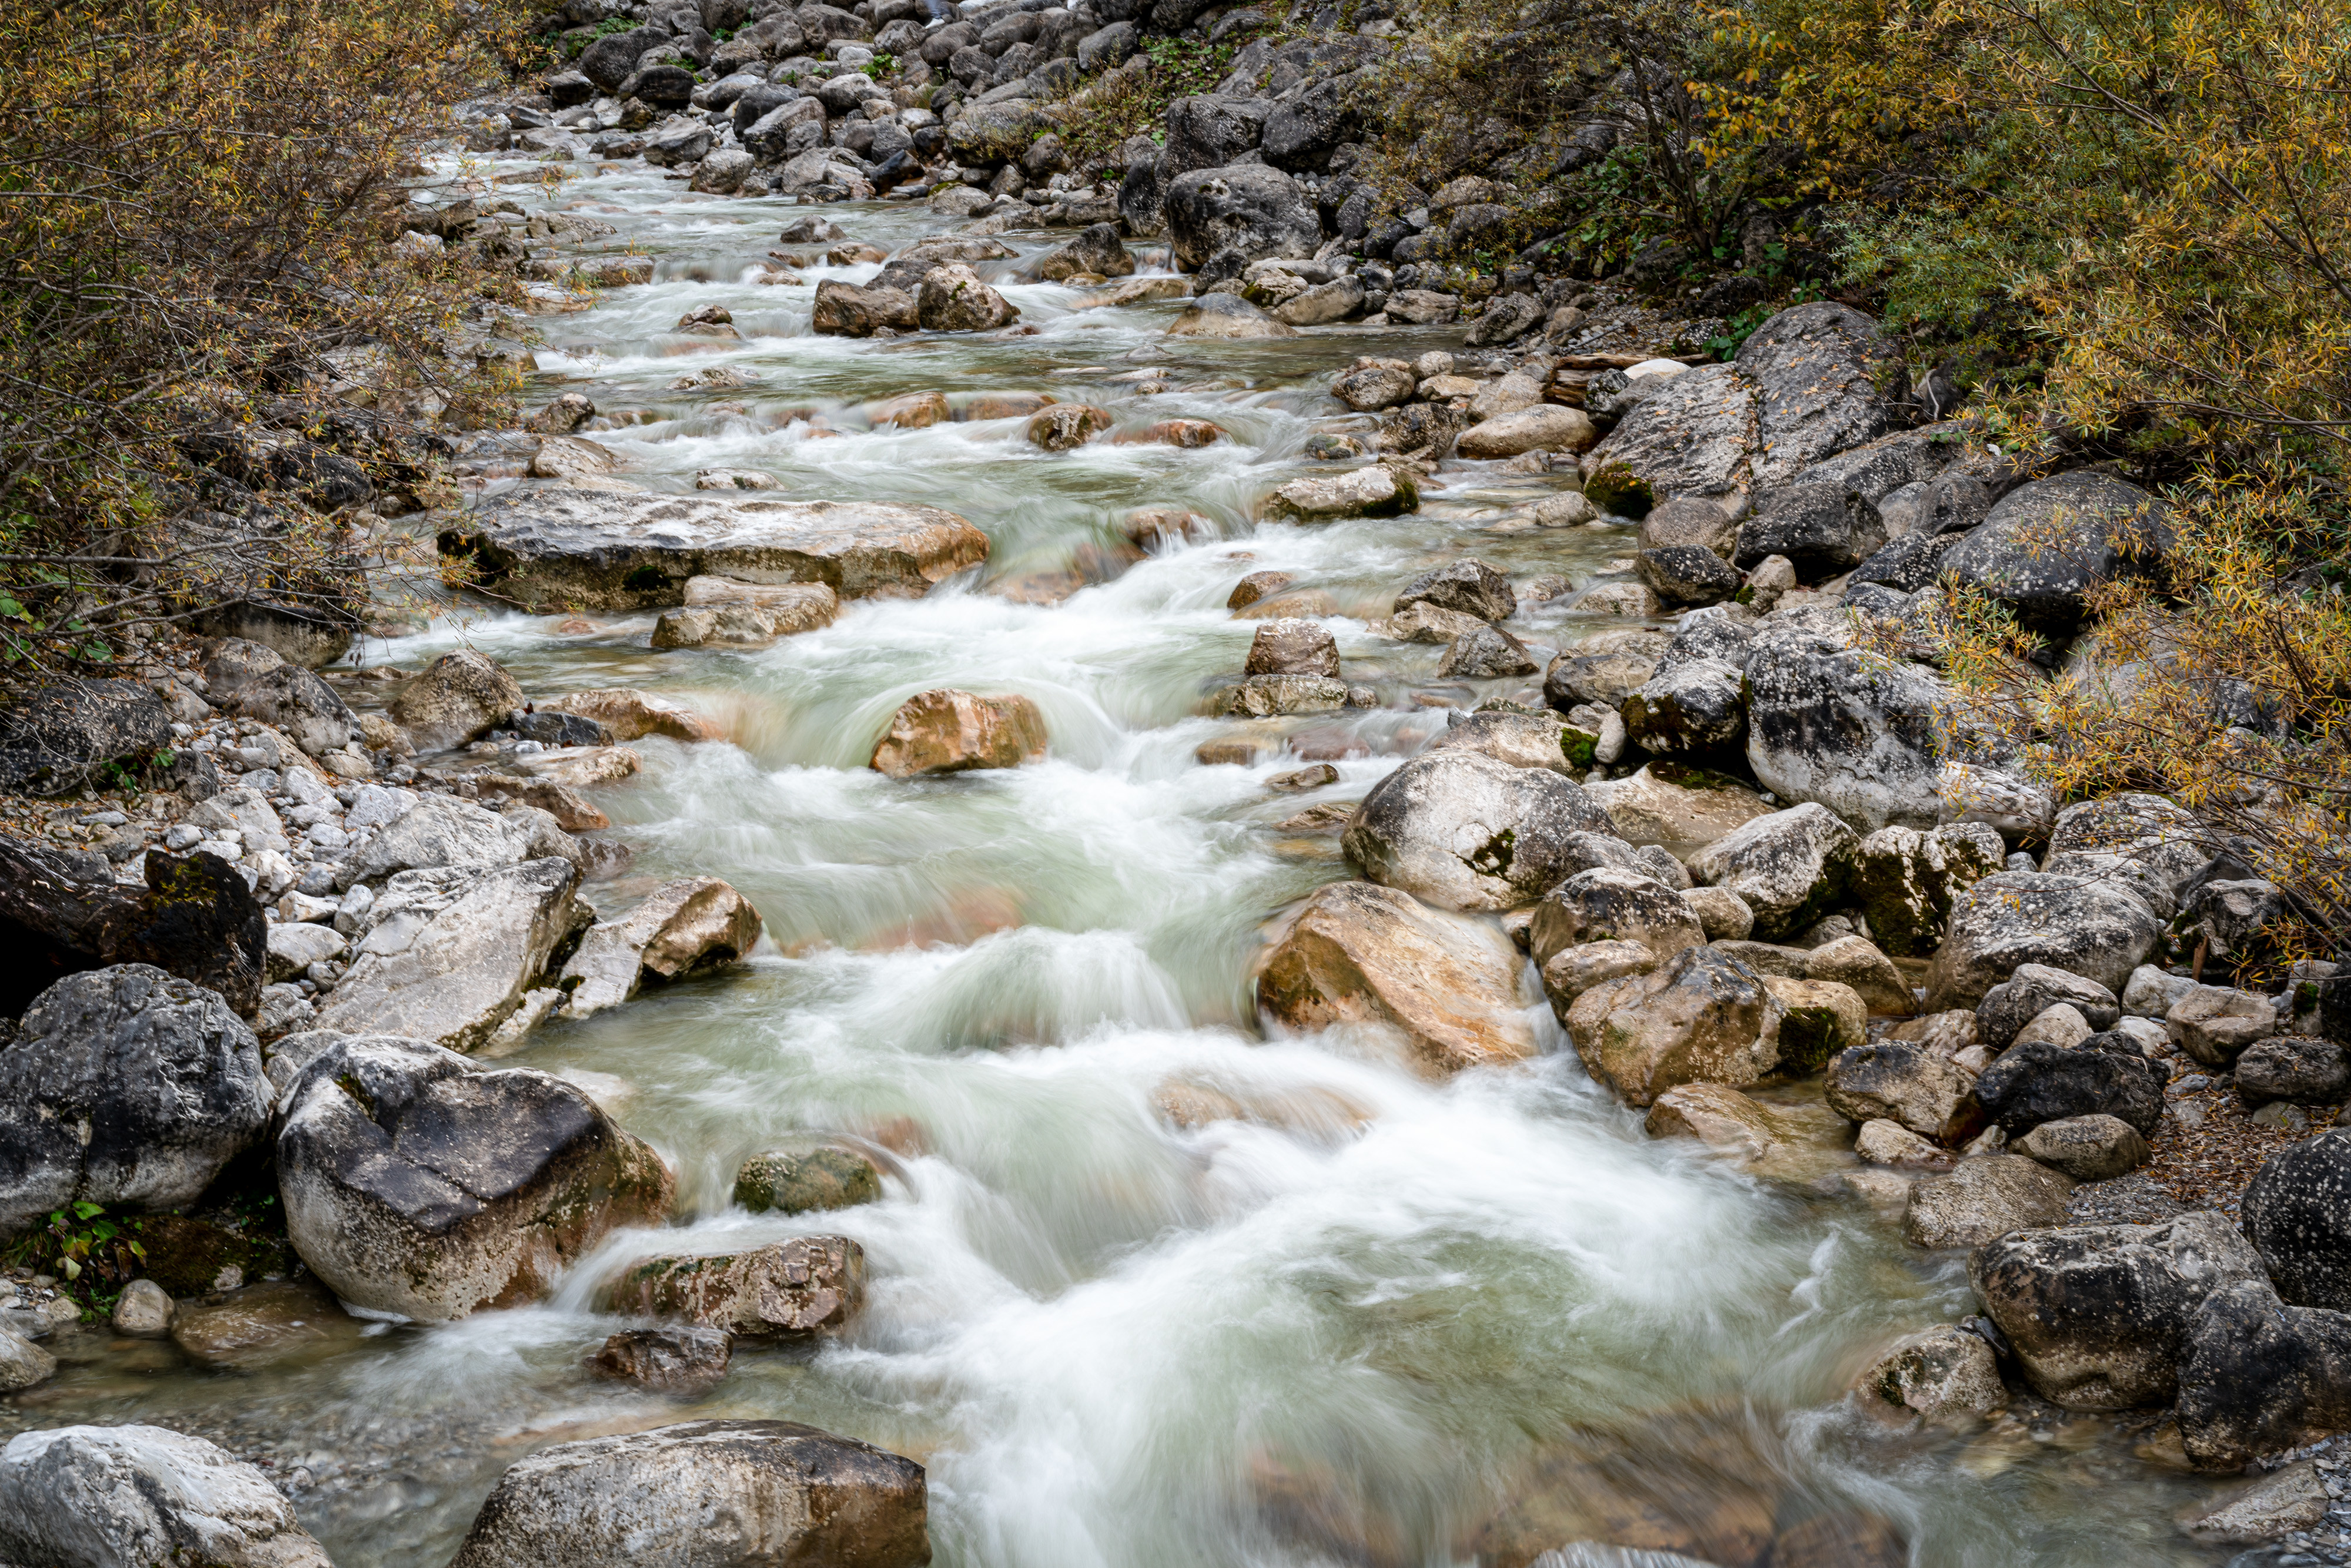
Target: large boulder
column 1610, row 904
column 1703, row 1016
column 2048, row 544
column 1466, row 831
column 1827, row 380
column 2262, row 1376
column 284, row 697
column 1375, row 490
column 62, row 733
column 2085, row 926
column 128, row 1497
column 552, row 548
column 715, row 1493
column 684, row 929
column 415, row 1185
column 1546, row 427
column 1789, row 867
column 441, row 831
column 2040, row 1080
column 2099, row 1314
column 951, row 731
column 612, row 59
column 1208, row 131
column 1984, row 1199
column 447, row 956
column 808, row 1285
column 1604, row 670
column 1819, row 529
column 1905, row 1083
column 953, row 299
column 1468, row 586
column 1246, row 208
column 1358, row 953
column 844, row 309
column 2298, row 1213
column 1689, row 438
column 461, row 697
column 1906, row 879
column 2301, row 1069
column 1850, row 729
column 127, row 1087
column 195, row 918
column 2087, row 1148
column 1690, row 708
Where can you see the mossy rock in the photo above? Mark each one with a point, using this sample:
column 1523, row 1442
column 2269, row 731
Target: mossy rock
column 1682, row 775
column 796, row 1181
column 1577, row 745
column 1617, row 489
column 1808, row 1037
column 188, row 1255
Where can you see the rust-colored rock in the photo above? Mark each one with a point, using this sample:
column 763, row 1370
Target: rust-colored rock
column 808, row 1285
column 631, row 715
column 1065, row 425
column 949, row 731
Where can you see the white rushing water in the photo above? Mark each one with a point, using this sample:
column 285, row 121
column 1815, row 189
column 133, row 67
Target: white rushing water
column 1375, row 1319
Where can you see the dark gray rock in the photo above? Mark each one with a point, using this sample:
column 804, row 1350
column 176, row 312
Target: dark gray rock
column 1844, row 728
column 64, row 734
column 1143, row 196
column 1686, row 575
column 2049, row 543
column 1303, row 131
column 2262, row 1376
column 1827, row 381
column 2245, row 920
column 2041, row 1080
column 127, row 1087
column 1208, row 131
column 1470, row 586
column 291, row 699
column 1906, row 881
column 2099, row 1315
column 195, row 918
column 2298, row 1213
column 1410, row 832
column 1911, row 562
column 1691, row 708
column 1822, row 529
column 1249, row 209
column 2032, row 988
column 2301, row 1068
column 613, row 60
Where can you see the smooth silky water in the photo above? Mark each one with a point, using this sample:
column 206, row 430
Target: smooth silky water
column 1353, row 1324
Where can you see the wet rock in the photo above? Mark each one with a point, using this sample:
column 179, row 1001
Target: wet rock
column 1484, row 652
column 1789, row 867
column 1225, row 316
column 1945, row 1376
column 2039, row 1082
column 1883, row 1143
column 2085, row 927
column 1522, row 740
column 2281, row 1503
column 1468, row 586
column 1257, row 585
column 2214, row 1023
column 1902, row 1081
column 1702, row 1017
column 1321, row 304
column 846, row 310
column 678, row 1360
column 2101, row 1315
column 1466, row 831
column 631, row 715
column 195, row 918
column 1844, row 728
column 142, row 1311
column 799, row 1180
column 1722, row 1119
column 2087, row 1148
column 1066, row 425
column 253, row 1326
column 447, row 956
column 1608, row 904
column 1819, row 1018
column 2298, row 1213
column 2047, row 544
column 461, row 697
column 808, row 1285
column 1668, row 803
column 710, row 1491
column 1359, row 953
column 1690, row 708
column 1905, row 880
column 1689, row 438
column 23, row 1364
column 1368, row 388
column 1097, row 251
column 684, row 929
column 126, row 1087
column 551, row 549
column 1827, row 381
column 2301, row 1070
column 1247, row 208
column 1982, row 1199
column 415, row 1185
column 953, row 299
column 1425, row 623
column 2029, row 991
column 951, row 731
column 1544, row 428
column 2260, row 1376
column 785, row 609
column 62, row 733
column 104, row 1496
column 1291, row 647
column 1375, row 491
column 1263, row 696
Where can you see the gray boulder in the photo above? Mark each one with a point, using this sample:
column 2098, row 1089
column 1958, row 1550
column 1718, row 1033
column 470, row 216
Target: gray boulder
column 1844, row 728
column 1687, row 574
column 1905, row 880
column 611, row 60
column 1689, row 438
column 1690, row 708
column 460, row 697
column 1822, row 529
column 1902, row 1081
column 62, row 733
column 2298, row 1213
column 1827, row 380
column 1465, row 832
column 1468, row 586
column 2031, row 990
column 732, row 1493
column 2262, row 1376
column 440, row 831
column 1210, row 131
column 415, row 1185
column 127, row 1087
column 1612, row 904
column 2047, row 544
column 1983, row 1199
column 1788, row 867
column 1520, row 739
column 1604, row 669
column 2087, row 1148
column 125, row 1497
column 1485, row 651
column 2085, row 927
column 2099, row 1315
column 2301, row 1069
column 1252, row 210
column 2041, row 1080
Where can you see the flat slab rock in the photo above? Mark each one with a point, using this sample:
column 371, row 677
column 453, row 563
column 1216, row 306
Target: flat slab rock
column 550, row 549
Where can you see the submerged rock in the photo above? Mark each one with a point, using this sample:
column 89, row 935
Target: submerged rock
column 797, row 1180
column 680, row 1360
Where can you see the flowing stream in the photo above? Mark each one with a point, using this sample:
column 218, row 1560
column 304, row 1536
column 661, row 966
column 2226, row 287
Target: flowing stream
column 1373, row 1319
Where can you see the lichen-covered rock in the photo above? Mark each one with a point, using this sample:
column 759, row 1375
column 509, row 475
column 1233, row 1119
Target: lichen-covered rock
column 2040, row 1080
column 1606, row 904
column 1520, row 739
column 679, row 1358
column 1903, row 1082
column 1694, row 708
column 717, row 1492
column 1465, row 832
column 1983, row 1199
column 1262, row 697
column 2286, row 1500
column 2298, row 1213
column 1844, row 728
column 415, row 1185
column 126, row 1087
column 1855, row 961
column 951, row 731
column 1484, row 652
column 2262, row 1376
column 2099, row 1315
column 125, row 1496
column 808, row 1285
column 1682, row 807
column 1701, row 1017
column 2032, row 989
column 1905, row 880
column 1819, row 529
column 61, row 733
column 1819, row 1019
column 2215, row 1023
column 1690, row 437
column 815, row 1175
column 1604, row 669
column 1248, row 208
column 2086, row 926
column 2088, row 1148
column 686, row 927
column 1378, row 490
column 2301, row 1069
column 2048, row 544
column 1789, row 867
column 1945, row 1376
column 1358, row 953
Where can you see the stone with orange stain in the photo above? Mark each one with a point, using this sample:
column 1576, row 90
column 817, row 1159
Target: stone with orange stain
column 631, row 714
column 949, row 731
column 1007, row 405
column 1690, row 1484
column 1183, row 433
column 914, row 410
column 1307, row 1108
column 1151, row 524
column 1359, row 953
column 1257, row 585
column 1308, row 603
column 966, row 917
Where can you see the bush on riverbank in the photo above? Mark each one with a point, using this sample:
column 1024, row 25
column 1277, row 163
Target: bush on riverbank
column 195, row 210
